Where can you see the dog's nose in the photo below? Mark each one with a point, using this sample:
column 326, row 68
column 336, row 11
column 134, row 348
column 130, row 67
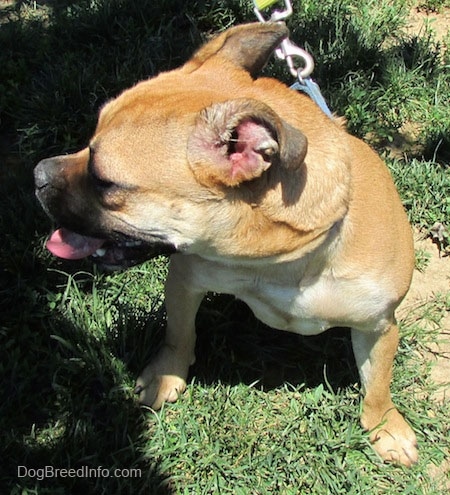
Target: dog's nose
column 49, row 172
column 41, row 173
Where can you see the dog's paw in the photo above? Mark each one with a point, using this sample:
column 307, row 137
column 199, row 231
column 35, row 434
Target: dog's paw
column 153, row 390
column 164, row 379
column 395, row 441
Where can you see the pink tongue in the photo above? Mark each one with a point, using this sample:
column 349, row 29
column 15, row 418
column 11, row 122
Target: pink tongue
column 71, row 246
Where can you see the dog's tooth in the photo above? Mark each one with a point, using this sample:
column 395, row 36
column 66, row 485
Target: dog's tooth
column 100, row 252
column 132, row 243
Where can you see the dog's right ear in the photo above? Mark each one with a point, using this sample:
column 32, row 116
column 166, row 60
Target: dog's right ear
column 239, row 140
column 248, row 46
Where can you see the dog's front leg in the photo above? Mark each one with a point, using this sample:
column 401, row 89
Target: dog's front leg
column 164, row 379
column 392, row 438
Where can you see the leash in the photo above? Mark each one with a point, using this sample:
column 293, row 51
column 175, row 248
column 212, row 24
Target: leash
column 288, row 51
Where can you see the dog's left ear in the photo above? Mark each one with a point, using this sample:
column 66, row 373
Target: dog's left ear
column 238, row 140
column 247, row 46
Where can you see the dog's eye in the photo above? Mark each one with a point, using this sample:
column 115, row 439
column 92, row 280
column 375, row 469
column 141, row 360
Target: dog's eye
column 101, row 184
column 98, row 182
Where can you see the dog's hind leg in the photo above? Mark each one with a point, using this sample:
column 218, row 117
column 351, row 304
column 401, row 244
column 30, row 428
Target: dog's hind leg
column 392, row 438
column 164, row 379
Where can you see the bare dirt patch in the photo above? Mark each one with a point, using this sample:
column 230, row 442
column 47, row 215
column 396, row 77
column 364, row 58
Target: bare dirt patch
column 421, row 21
column 428, row 286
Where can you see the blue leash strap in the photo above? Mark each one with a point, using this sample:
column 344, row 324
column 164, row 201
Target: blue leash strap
column 311, row 88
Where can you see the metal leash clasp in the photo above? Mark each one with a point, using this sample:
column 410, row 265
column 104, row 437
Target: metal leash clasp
column 277, row 15
column 287, row 50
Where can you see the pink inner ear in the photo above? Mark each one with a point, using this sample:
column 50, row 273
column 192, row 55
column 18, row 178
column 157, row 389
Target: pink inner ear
column 249, row 153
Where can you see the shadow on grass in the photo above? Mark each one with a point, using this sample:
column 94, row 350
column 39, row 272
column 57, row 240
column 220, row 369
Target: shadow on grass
column 234, row 347
column 61, row 61
column 67, row 403
column 65, row 397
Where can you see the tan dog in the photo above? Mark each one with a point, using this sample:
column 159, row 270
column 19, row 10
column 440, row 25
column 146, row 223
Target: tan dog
column 261, row 195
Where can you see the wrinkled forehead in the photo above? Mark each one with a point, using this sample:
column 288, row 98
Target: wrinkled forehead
column 143, row 120
column 161, row 100
column 152, row 111
column 142, row 136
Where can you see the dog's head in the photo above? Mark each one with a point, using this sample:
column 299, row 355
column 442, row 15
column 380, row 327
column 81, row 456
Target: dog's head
column 170, row 155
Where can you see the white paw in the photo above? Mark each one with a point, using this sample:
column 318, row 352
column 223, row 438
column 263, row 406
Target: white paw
column 153, row 390
column 396, row 442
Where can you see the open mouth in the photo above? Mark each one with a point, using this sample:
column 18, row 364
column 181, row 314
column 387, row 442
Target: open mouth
column 70, row 245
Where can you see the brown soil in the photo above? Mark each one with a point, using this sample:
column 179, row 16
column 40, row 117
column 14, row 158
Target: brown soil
column 427, row 286
column 420, row 21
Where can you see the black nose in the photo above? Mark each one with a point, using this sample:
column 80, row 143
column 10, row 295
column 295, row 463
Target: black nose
column 50, row 172
column 42, row 173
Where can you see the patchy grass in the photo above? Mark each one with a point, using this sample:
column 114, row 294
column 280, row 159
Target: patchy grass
column 265, row 412
column 425, row 190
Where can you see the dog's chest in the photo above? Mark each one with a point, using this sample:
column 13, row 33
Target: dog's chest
column 306, row 305
column 310, row 307
column 286, row 307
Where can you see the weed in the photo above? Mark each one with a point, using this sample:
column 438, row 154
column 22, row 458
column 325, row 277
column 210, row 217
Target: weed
column 422, row 259
column 425, row 190
column 433, row 5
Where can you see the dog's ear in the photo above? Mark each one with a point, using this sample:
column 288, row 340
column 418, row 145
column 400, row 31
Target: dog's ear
column 238, row 140
column 248, row 46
